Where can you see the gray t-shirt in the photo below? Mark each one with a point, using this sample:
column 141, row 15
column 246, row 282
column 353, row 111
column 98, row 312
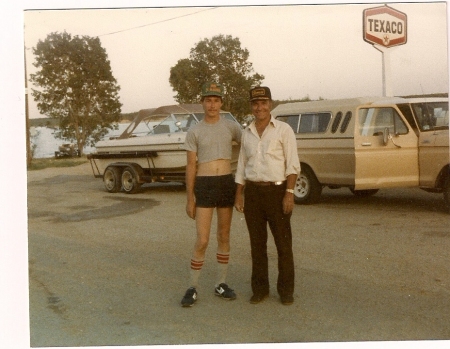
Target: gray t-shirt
column 212, row 141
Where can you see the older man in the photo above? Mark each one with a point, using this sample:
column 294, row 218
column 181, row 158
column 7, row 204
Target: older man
column 268, row 167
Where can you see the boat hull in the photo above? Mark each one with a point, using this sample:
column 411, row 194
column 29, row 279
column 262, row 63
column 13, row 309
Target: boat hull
column 158, row 164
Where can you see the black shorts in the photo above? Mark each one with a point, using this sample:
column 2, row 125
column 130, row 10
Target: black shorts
column 214, row 191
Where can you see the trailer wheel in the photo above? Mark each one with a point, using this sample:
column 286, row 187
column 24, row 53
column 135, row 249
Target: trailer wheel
column 447, row 193
column 111, row 179
column 130, row 180
column 307, row 188
column 364, row 193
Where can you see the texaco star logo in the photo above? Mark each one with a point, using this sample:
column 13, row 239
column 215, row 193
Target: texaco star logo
column 386, row 40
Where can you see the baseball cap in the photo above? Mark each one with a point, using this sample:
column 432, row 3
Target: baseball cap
column 260, row 92
column 212, row 89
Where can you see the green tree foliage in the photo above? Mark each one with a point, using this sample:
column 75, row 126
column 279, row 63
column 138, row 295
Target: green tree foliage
column 76, row 87
column 222, row 60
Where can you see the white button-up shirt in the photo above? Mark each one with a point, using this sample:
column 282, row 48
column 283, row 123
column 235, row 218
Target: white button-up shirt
column 269, row 158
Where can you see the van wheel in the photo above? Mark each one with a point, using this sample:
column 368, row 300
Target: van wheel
column 364, row 193
column 447, row 193
column 307, row 188
column 111, row 179
column 130, row 180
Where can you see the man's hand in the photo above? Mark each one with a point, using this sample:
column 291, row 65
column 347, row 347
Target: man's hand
column 239, row 198
column 288, row 203
column 239, row 203
column 190, row 209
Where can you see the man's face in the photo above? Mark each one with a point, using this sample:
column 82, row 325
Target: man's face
column 261, row 108
column 212, row 105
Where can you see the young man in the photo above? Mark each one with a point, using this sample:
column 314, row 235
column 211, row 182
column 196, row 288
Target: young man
column 268, row 167
column 210, row 185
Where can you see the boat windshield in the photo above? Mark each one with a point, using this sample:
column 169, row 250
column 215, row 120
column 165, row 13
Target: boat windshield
column 173, row 123
column 226, row 115
column 180, row 122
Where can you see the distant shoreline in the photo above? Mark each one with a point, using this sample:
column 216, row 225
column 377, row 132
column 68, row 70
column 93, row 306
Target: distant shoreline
column 128, row 117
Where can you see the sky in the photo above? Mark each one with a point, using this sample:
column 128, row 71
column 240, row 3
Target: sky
column 316, row 51
column 302, row 50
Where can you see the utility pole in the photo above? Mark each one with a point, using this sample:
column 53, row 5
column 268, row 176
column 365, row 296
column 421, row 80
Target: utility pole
column 27, row 118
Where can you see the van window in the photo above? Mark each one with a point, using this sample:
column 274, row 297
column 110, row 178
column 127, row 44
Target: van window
column 336, row 121
column 431, row 115
column 346, row 122
column 291, row 120
column 373, row 121
column 314, row 122
column 405, row 109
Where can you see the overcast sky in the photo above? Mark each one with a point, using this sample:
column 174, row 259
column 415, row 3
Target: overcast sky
column 302, row 50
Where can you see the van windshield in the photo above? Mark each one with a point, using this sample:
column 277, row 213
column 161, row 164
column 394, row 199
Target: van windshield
column 431, row 115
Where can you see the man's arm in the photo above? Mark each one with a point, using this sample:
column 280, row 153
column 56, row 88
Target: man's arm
column 288, row 200
column 240, row 179
column 191, row 170
column 292, row 169
column 239, row 200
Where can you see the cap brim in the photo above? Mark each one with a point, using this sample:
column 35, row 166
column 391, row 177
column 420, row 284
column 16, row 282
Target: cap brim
column 212, row 94
column 259, row 98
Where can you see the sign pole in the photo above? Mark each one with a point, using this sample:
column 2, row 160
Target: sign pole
column 385, row 27
column 386, row 71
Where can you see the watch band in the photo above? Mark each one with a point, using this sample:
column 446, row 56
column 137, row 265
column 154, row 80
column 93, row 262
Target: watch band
column 290, row 191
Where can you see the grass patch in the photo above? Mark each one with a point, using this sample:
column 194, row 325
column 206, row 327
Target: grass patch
column 40, row 164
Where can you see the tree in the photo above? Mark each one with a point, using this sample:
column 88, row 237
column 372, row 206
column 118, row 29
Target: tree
column 222, row 60
column 77, row 87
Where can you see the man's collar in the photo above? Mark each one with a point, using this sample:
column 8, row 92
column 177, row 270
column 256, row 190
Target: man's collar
column 272, row 121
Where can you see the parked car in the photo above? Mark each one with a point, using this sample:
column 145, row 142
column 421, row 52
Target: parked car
column 67, row 150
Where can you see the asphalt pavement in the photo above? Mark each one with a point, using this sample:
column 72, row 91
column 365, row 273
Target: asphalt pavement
column 111, row 269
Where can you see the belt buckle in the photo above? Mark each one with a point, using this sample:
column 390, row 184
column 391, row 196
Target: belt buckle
column 278, row 183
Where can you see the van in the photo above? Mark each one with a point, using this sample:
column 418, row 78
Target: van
column 370, row 143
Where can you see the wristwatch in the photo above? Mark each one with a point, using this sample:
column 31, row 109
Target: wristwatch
column 290, row 191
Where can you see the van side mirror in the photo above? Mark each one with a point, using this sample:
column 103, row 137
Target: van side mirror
column 385, row 135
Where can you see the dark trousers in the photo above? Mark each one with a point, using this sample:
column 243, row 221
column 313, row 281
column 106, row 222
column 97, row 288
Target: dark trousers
column 263, row 206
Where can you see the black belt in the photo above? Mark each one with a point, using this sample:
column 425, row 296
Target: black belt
column 265, row 184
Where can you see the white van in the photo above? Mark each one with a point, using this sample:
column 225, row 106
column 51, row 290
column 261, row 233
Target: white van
column 370, row 143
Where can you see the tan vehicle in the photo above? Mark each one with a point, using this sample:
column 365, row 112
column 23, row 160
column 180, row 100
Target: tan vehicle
column 370, row 143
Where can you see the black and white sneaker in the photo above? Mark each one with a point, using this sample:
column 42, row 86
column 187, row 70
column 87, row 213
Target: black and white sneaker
column 189, row 297
column 225, row 292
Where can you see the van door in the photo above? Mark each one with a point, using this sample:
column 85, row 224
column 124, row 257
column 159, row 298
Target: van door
column 386, row 149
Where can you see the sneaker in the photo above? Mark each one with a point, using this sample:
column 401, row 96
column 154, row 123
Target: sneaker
column 189, row 297
column 225, row 292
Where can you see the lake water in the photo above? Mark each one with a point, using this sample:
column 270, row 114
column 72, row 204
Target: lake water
column 47, row 144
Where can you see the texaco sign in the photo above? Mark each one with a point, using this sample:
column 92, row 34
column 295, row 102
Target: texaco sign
column 384, row 26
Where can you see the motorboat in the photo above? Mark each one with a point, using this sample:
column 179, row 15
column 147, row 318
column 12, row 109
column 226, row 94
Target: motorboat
column 150, row 149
